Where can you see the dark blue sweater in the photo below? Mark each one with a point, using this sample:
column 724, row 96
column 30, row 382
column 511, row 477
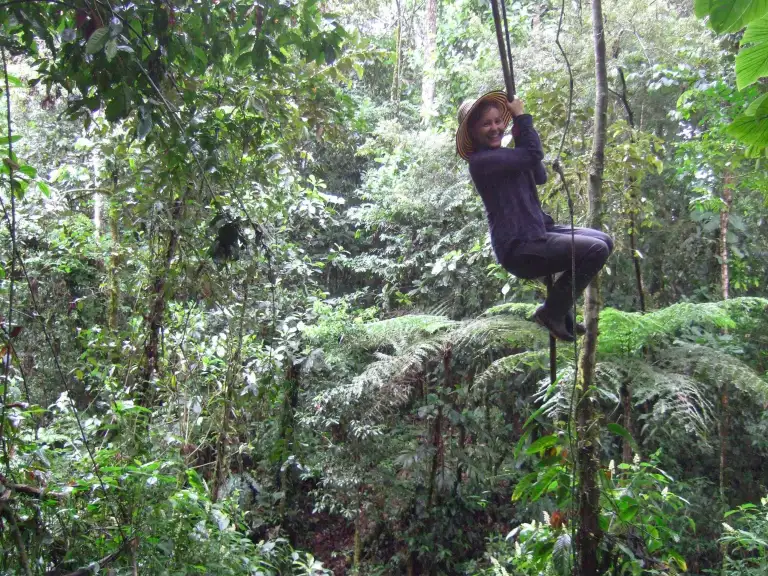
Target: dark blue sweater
column 506, row 179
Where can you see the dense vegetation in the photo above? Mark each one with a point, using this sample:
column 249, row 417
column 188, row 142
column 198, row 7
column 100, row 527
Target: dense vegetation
column 252, row 322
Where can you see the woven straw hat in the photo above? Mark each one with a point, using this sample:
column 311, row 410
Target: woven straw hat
column 464, row 145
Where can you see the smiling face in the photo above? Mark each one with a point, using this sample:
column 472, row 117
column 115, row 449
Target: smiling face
column 488, row 128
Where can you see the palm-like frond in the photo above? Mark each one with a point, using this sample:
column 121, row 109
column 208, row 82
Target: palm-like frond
column 520, row 310
column 505, row 368
column 402, row 330
column 626, row 333
column 485, row 333
column 556, row 400
column 676, row 400
column 715, row 368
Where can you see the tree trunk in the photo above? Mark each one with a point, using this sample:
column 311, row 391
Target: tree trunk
column 626, row 401
column 635, row 255
column 589, row 535
column 113, row 311
column 436, row 437
column 287, row 424
column 358, row 542
column 430, row 57
column 724, row 216
column 395, row 96
column 632, row 200
column 157, row 309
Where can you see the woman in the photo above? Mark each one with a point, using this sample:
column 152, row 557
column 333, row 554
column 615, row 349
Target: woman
column 526, row 240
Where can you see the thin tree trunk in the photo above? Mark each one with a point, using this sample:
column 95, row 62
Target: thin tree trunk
column 724, row 217
column 430, row 57
column 436, row 437
column 10, row 516
column 589, row 535
column 113, row 311
column 358, row 541
column 626, row 401
column 288, row 422
column 635, row 255
column 395, row 96
column 157, row 310
column 437, row 433
column 632, row 200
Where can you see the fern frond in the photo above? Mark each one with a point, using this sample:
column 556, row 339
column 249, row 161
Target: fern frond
column 401, row 331
column 484, row 333
column 556, row 400
column 520, row 310
column 716, row 368
column 626, row 333
column 746, row 309
column 505, row 368
column 562, row 555
column 676, row 400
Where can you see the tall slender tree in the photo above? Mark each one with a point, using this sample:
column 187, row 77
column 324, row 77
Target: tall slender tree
column 589, row 535
column 430, row 58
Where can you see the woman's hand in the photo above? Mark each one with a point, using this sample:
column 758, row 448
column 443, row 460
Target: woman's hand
column 516, row 107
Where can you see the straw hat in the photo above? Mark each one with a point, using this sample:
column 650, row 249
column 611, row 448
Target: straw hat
column 464, row 145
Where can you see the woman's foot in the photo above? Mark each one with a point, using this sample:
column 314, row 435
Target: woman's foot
column 556, row 326
column 570, row 325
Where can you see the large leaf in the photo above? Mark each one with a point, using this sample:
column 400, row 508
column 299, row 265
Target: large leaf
column 542, row 444
column 730, row 15
column 752, row 59
column 97, row 41
column 752, row 127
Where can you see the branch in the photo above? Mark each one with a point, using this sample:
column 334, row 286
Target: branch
column 12, row 285
column 33, row 491
column 88, row 570
column 8, row 514
column 623, row 98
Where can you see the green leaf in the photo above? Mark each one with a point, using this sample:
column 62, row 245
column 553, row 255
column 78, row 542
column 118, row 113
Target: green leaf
column 628, row 509
column 755, row 106
column 523, row 485
column 544, row 484
column 679, row 560
column 111, row 49
column 752, row 129
column 359, row 69
column 13, row 81
column 752, row 60
column 730, row 15
column 620, row 431
column 4, row 139
column 97, row 40
column 44, row 188
column 28, row 170
column 542, row 444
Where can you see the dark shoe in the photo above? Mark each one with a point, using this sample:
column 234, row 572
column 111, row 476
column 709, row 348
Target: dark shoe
column 570, row 324
column 556, row 326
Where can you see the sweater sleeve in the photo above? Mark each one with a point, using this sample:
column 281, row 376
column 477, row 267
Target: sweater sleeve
column 526, row 155
column 540, row 174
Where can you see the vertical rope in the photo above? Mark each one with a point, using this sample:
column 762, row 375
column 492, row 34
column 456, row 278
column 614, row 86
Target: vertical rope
column 510, row 62
column 508, row 81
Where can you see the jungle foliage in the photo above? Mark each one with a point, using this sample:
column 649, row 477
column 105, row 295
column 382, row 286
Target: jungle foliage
column 252, row 322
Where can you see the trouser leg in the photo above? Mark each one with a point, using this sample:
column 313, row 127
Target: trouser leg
column 552, row 254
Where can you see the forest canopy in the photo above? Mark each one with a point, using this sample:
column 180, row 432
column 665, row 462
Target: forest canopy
column 253, row 322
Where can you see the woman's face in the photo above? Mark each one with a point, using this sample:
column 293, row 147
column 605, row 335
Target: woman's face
column 488, row 129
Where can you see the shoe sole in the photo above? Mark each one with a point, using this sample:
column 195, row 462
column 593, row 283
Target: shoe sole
column 541, row 322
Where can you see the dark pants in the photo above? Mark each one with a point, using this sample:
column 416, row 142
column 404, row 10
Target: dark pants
column 552, row 254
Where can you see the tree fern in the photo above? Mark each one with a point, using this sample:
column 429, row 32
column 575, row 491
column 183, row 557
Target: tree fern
column 714, row 367
column 506, row 367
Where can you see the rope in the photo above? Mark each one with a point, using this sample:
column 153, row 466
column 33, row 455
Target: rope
column 506, row 69
column 505, row 55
